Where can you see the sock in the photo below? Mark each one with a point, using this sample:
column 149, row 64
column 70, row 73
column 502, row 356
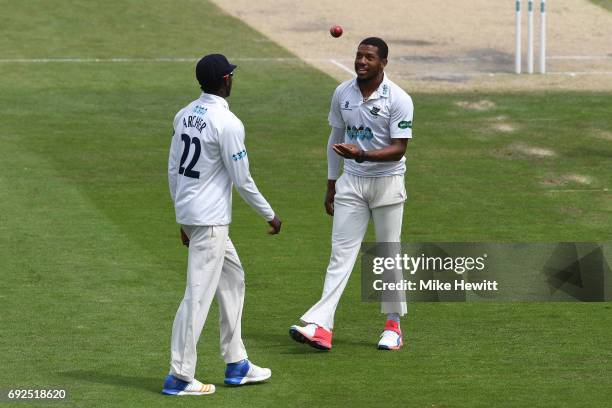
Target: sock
column 394, row 316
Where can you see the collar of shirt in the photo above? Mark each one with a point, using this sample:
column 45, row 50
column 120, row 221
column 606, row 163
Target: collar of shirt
column 213, row 99
column 381, row 92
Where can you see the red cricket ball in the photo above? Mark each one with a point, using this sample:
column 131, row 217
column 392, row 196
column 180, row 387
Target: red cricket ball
column 335, row 31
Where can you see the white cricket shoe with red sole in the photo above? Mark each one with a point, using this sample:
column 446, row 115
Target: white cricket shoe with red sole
column 313, row 335
column 391, row 338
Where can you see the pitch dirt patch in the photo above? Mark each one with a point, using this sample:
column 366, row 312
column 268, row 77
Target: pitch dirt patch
column 439, row 45
column 578, row 179
column 504, row 127
column 481, row 106
column 558, row 181
column 524, row 151
column 603, row 134
column 533, row 151
column 502, row 124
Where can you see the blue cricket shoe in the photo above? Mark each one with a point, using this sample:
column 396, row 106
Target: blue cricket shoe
column 176, row 386
column 245, row 372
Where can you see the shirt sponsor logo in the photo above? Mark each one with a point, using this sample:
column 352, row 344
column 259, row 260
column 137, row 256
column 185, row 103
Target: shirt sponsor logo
column 346, row 106
column 385, row 90
column 405, row 124
column 199, row 110
column 359, row 133
column 374, row 111
column 239, row 155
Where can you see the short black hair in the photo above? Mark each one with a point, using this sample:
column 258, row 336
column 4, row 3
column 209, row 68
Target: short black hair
column 383, row 49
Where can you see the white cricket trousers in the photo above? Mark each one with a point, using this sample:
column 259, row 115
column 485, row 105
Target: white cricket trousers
column 213, row 270
column 356, row 200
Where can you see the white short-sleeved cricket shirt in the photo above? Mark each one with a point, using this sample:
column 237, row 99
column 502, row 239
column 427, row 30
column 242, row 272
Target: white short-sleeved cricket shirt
column 371, row 124
column 208, row 156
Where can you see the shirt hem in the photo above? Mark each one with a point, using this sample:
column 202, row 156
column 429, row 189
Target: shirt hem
column 374, row 175
column 204, row 223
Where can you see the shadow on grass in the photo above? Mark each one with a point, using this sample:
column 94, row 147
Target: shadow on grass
column 286, row 345
column 146, row 383
column 362, row 344
column 242, row 386
column 153, row 385
column 283, row 343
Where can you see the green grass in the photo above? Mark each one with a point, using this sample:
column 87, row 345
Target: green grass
column 92, row 268
column 607, row 4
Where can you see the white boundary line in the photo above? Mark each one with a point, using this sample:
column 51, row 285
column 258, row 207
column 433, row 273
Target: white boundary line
column 552, row 57
column 129, row 60
column 285, row 59
column 90, row 60
column 497, row 74
column 580, row 73
column 290, row 59
column 580, row 57
column 343, row 67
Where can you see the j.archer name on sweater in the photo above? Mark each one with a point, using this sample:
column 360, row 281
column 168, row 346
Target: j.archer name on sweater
column 194, row 122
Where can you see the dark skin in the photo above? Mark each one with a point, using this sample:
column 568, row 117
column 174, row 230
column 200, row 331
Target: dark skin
column 224, row 91
column 369, row 67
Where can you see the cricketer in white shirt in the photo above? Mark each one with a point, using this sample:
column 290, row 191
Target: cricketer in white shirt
column 371, row 121
column 366, row 190
column 207, row 157
column 370, row 125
